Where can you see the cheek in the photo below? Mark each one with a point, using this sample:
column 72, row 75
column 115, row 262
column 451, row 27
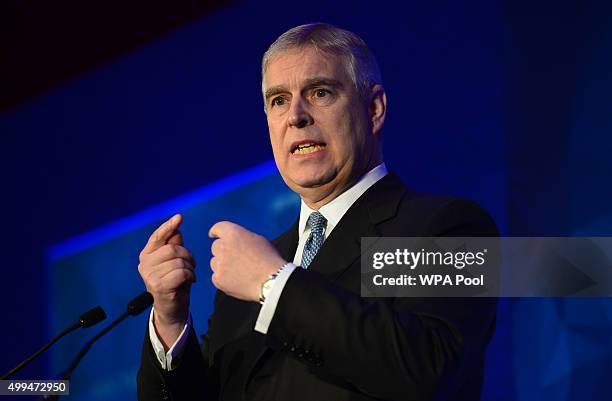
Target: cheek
column 345, row 138
column 358, row 133
column 276, row 140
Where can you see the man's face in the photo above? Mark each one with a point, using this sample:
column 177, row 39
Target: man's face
column 319, row 125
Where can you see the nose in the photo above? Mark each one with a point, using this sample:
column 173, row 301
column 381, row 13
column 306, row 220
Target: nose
column 299, row 116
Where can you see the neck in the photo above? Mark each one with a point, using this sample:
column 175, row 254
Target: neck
column 317, row 202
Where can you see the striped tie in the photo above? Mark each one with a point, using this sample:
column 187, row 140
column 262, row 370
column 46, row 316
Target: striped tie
column 317, row 224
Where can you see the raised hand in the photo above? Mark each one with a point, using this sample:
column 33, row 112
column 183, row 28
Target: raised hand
column 167, row 269
column 242, row 260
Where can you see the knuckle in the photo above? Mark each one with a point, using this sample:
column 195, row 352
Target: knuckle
column 221, row 260
column 143, row 269
column 179, row 263
column 143, row 255
column 212, row 231
column 224, row 225
column 186, row 276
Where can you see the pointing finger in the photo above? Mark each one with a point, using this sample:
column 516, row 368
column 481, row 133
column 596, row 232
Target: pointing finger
column 163, row 233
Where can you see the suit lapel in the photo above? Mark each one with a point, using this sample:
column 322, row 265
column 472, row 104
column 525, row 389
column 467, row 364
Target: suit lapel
column 287, row 243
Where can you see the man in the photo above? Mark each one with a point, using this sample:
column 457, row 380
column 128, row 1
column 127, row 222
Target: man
column 300, row 330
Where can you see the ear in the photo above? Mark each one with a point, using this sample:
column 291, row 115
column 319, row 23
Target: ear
column 377, row 108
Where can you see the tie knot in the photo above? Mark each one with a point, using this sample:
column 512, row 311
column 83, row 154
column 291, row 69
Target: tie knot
column 317, row 222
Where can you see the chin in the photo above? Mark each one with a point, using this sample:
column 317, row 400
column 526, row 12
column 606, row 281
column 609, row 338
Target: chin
column 306, row 181
column 309, row 177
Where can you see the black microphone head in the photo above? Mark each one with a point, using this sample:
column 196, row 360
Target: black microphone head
column 140, row 303
column 92, row 317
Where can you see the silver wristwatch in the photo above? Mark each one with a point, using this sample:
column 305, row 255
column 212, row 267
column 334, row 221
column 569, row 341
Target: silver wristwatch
column 266, row 286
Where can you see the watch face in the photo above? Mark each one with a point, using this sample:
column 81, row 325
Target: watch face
column 267, row 287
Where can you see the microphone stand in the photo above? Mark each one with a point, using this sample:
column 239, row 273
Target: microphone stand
column 134, row 307
column 87, row 319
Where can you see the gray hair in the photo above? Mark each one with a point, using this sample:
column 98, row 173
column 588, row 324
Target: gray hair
column 360, row 63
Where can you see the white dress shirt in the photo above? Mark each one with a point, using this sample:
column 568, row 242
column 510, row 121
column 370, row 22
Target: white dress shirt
column 332, row 211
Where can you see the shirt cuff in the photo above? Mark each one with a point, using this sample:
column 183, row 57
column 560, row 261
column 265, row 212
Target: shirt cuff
column 269, row 306
column 165, row 358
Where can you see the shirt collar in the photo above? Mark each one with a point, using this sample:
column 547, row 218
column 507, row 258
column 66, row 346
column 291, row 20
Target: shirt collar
column 334, row 210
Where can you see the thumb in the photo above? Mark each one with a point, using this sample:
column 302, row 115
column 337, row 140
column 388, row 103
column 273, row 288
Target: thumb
column 161, row 236
column 176, row 239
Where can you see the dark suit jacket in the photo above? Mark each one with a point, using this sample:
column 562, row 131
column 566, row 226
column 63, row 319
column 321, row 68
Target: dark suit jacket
column 325, row 342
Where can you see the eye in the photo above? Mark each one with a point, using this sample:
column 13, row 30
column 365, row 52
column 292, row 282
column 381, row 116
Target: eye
column 321, row 92
column 278, row 101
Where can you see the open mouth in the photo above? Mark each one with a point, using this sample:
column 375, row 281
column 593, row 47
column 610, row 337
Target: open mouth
column 305, row 148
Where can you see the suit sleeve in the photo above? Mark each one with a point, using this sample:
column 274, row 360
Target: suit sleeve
column 193, row 378
column 393, row 348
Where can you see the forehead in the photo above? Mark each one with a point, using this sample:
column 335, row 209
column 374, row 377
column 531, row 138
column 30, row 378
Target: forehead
column 292, row 67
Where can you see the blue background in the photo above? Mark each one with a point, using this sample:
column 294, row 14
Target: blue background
column 507, row 103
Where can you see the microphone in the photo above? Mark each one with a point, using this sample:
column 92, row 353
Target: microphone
column 87, row 319
column 134, row 307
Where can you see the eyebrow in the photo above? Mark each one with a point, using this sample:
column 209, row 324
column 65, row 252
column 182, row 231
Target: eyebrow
column 309, row 83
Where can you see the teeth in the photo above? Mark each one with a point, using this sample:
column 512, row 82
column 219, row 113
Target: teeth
column 308, row 148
